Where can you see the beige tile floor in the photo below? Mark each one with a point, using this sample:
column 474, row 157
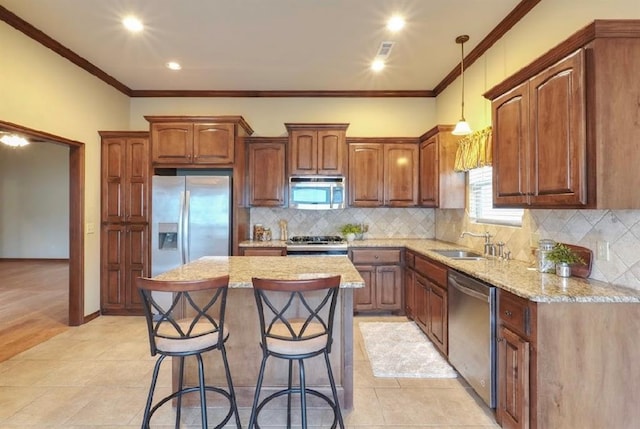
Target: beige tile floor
column 97, row 376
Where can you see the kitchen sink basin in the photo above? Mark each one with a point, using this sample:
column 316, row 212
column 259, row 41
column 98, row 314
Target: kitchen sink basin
column 459, row 254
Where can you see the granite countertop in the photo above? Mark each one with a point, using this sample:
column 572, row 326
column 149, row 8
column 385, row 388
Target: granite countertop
column 242, row 268
column 514, row 276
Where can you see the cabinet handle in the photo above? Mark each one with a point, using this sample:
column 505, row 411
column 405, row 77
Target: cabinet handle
column 508, row 313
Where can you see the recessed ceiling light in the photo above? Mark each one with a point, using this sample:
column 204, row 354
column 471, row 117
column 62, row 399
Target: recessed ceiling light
column 377, row 65
column 396, row 23
column 174, row 65
column 132, row 24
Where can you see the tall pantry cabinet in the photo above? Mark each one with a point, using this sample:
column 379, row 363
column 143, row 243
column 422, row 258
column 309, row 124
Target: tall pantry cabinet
column 124, row 232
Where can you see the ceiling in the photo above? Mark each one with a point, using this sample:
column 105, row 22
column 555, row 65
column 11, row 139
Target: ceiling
column 267, row 45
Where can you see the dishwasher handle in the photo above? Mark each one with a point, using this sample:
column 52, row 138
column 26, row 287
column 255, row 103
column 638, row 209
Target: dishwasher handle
column 454, row 281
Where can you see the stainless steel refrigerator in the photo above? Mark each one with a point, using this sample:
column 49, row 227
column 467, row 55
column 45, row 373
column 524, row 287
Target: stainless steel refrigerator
column 191, row 217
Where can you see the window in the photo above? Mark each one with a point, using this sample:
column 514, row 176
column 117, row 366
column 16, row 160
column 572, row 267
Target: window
column 481, row 201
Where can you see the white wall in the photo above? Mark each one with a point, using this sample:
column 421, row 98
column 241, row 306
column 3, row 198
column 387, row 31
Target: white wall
column 34, row 196
column 548, row 24
column 43, row 91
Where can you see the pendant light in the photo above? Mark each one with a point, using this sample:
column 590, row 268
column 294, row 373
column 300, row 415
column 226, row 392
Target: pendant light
column 462, row 127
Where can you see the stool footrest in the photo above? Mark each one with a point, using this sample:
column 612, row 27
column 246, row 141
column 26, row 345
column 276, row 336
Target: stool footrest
column 297, row 390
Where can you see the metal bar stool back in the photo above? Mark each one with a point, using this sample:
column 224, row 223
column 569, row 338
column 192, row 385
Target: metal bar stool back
column 296, row 323
column 186, row 318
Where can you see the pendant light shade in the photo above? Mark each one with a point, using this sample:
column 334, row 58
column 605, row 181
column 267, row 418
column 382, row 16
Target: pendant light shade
column 462, row 128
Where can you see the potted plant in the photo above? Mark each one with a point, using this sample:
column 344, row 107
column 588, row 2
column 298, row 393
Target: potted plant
column 563, row 257
column 350, row 230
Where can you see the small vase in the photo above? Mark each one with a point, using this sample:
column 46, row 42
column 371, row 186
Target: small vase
column 563, row 269
column 350, row 237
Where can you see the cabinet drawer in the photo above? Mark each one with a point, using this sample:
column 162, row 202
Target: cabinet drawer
column 432, row 270
column 376, row 256
column 514, row 313
column 264, row 251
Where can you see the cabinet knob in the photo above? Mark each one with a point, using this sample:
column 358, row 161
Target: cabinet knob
column 508, row 313
column 377, row 257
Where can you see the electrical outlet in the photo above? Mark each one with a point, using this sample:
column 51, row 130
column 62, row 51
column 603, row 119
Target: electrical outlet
column 602, row 250
column 91, row 228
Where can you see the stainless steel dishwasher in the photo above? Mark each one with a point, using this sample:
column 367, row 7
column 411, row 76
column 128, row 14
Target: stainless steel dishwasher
column 472, row 333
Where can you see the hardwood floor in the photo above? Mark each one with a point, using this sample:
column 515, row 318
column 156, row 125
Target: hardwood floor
column 33, row 303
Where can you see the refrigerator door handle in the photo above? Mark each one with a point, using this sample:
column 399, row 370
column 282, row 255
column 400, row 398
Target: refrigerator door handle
column 181, row 243
column 185, row 250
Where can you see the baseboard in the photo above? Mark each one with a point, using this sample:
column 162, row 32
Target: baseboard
column 90, row 317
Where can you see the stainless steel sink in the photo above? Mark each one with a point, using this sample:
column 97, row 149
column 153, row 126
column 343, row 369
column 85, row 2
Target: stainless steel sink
column 459, row 254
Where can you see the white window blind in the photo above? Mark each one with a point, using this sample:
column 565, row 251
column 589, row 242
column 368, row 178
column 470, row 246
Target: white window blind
column 481, row 201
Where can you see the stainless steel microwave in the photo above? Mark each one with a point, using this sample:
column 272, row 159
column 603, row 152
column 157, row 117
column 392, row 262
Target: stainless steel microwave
column 317, row 192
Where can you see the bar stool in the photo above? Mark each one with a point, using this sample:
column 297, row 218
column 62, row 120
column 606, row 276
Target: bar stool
column 190, row 323
column 296, row 323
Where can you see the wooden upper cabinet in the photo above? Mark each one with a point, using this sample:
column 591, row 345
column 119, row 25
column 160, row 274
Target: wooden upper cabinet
column 195, row 140
column 563, row 126
column 317, row 149
column 366, row 175
column 540, row 139
column 213, row 143
column 267, row 180
column 383, row 174
column 511, row 158
column 440, row 185
column 400, row 175
column 125, row 176
column 558, row 134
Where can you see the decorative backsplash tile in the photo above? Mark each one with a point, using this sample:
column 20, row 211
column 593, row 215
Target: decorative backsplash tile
column 620, row 228
column 382, row 222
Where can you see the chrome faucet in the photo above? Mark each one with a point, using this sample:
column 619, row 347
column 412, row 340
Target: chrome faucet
column 489, row 247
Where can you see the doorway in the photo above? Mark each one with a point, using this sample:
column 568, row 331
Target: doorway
column 76, row 214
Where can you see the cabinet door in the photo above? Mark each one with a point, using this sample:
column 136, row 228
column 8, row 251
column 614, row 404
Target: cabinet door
column 558, row 134
column 366, row 170
column 429, row 173
column 172, row 143
column 438, row 316
column 264, row 251
column 511, row 147
column 401, row 175
column 267, row 183
column 331, row 152
column 137, row 180
column 136, row 264
column 513, row 380
column 422, row 303
column 113, row 179
column 364, row 298
column 388, row 287
column 409, row 293
column 213, row 143
column 303, row 152
column 112, row 289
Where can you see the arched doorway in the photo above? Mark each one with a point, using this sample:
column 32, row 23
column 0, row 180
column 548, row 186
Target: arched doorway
column 76, row 214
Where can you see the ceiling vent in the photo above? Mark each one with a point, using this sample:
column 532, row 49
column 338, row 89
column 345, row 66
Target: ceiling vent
column 385, row 49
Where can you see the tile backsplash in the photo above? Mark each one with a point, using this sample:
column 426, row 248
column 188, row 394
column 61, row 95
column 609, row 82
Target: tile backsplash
column 620, row 228
column 382, row 222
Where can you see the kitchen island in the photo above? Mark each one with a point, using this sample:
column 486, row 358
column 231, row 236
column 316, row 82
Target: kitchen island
column 241, row 321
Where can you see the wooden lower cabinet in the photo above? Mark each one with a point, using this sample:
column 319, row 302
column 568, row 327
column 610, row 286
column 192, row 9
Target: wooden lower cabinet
column 513, row 376
column 263, row 251
column 383, row 281
column 124, row 258
column 430, row 302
